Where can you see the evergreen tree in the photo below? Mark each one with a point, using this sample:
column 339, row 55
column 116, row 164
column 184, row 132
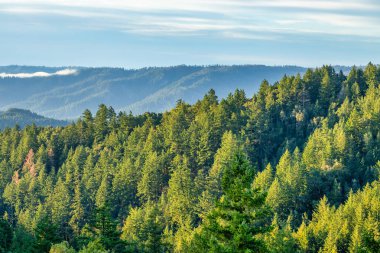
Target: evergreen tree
column 104, row 229
column 101, row 123
column 264, row 179
column 6, row 236
column 46, row 234
column 240, row 216
column 62, row 247
column 144, row 227
column 181, row 192
column 175, row 182
column 151, row 184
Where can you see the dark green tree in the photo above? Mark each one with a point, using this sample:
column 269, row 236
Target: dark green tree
column 6, row 236
column 104, row 228
column 46, row 234
column 240, row 216
column 101, row 123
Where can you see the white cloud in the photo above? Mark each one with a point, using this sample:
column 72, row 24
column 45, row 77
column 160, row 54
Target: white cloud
column 204, row 5
column 64, row 72
column 249, row 36
column 235, row 19
column 315, row 4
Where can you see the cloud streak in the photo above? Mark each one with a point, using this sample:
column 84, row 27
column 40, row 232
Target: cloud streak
column 146, row 32
column 64, row 72
column 203, row 5
column 234, row 19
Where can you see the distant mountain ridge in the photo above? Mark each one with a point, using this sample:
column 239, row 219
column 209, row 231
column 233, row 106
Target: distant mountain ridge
column 22, row 118
column 154, row 89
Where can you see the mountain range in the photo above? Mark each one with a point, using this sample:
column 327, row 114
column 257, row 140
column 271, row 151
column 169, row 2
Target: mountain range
column 65, row 92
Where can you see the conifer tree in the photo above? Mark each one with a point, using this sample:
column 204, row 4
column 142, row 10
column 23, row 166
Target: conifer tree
column 46, row 234
column 6, row 236
column 239, row 217
column 151, row 183
column 104, row 229
column 101, row 123
column 144, row 227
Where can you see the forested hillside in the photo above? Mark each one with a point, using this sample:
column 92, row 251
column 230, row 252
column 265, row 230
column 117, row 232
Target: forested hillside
column 295, row 168
column 64, row 93
column 22, row 118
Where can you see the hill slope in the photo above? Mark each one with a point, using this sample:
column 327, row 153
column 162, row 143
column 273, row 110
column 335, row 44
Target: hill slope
column 23, row 118
column 66, row 92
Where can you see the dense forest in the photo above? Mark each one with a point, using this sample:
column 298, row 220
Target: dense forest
column 295, row 168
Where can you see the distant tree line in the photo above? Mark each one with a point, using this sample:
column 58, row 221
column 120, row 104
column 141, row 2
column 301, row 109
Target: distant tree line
column 22, row 118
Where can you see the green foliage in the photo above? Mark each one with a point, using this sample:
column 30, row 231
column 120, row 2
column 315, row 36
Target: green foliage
column 239, row 217
column 62, row 247
column 281, row 239
column 151, row 184
column 288, row 192
column 182, row 181
column 94, row 247
column 181, row 195
column 6, row 236
column 264, row 179
column 353, row 227
column 22, row 241
column 144, row 228
column 46, row 235
column 104, row 229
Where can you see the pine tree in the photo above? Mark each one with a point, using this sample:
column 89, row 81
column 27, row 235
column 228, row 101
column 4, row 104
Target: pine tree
column 6, row 236
column 101, row 123
column 144, row 227
column 62, row 247
column 239, row 217
column 77, row 219
column 151, row 184
column 181, row 198
column 280, row 239
column 59, row 204
column 103, row 195
column 180, row 206
column 124, row 188
column 288, row 191
column 264, row 179
column 104, row 229
column 46, row 234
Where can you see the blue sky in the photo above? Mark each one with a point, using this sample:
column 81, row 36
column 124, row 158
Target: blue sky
column 141, row 33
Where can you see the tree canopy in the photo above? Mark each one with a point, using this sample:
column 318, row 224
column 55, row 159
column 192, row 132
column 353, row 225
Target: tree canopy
column 295, row 168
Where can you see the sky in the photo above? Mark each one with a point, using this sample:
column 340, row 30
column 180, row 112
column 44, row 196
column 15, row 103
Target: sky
column 142, row 33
